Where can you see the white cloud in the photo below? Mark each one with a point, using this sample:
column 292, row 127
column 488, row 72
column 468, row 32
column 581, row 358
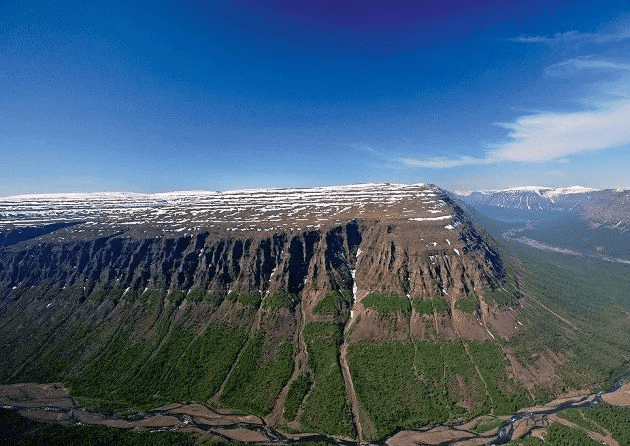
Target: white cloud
column 602, row 122
column 554, row 136
column 544, row 137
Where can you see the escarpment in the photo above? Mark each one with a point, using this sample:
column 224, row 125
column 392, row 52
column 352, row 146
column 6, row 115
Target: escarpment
column 422, row 258
column 248, row 300
column 438, row 253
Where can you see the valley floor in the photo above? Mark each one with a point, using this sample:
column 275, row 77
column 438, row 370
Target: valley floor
column 52, row 403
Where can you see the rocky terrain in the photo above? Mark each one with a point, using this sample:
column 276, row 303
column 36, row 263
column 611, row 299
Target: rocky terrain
column 351, row 311
column 239, row 240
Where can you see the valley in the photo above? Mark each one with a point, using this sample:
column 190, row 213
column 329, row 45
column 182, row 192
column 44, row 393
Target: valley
column 52, row 403
column 371, row 313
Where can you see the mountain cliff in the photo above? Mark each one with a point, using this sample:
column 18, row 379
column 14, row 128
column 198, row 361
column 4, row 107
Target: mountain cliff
column 271, row 302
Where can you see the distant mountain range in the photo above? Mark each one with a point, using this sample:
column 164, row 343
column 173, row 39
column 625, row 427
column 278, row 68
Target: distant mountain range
column 608, row 207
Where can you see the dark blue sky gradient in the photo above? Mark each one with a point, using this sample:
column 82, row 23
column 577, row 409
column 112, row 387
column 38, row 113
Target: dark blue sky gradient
column 155, row 96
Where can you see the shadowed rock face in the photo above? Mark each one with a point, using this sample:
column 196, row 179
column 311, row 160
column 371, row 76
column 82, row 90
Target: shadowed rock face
column 411, row 240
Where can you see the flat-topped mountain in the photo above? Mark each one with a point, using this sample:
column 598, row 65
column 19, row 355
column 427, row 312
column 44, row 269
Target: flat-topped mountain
column 237, row 240
column 266, row 210
column 350, row 310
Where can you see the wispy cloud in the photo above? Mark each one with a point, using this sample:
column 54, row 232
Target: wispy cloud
column 571, row 66
column 569, row 36
column 621, row 32
column 446, row 163
column 603, row 121
column 365, row 148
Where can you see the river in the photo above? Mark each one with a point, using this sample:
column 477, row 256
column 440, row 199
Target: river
column 46, row 402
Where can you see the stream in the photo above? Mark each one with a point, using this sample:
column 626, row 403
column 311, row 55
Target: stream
column 232, row 427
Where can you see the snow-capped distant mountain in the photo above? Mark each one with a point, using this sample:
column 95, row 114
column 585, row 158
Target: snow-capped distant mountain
column 607, row 207
column 531, row 198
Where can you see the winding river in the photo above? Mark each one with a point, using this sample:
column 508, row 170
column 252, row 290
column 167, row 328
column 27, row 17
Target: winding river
column 252, row 429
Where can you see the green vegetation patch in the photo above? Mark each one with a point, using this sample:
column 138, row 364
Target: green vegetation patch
column 579, row 417
column 592, row 295
column 215, row 297
column 409, row 384
column 298, row 390
column 561, row 435
column 506, row 394
column 204, row 365
column 252, row 299
column 325, row 408
column 163, row 366
column 196, row 294
column 388, row 304
column 529, row 441
column 558, row 435
column 613, row 418
column 486, row 425
column 429, row 306
column 254, row 385
column 176, row 297
column 336, row 303
column 504, row 297
column 277, row 299
column 468, row 304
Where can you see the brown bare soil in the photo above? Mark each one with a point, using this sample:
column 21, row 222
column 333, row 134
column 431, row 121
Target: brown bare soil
column 541, row 372
column 159, row 421
column 242, row 434
column 437, row 436
column 528, row 425
column 503, row 323
column 48, row 417
column 469, row 326
column 34, row 395
column 620, row 397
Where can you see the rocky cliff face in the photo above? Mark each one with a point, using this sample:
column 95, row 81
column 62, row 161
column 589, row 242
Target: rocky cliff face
column 408, row 240
column 411, row 240
column 129, row 286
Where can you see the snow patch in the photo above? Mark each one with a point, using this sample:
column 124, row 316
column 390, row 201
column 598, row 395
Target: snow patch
column 568, row 190
column 443, row 217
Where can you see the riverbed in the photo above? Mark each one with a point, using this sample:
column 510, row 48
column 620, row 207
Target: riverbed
column 53, row 403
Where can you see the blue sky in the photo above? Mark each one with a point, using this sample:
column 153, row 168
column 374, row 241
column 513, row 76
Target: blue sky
column 159, row 96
